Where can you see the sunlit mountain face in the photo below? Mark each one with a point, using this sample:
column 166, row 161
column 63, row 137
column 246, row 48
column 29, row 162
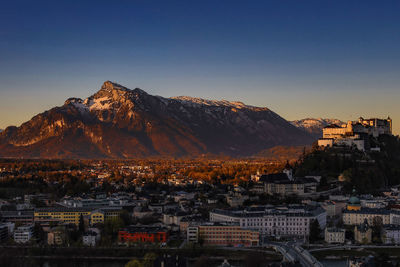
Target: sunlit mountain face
column 117, row 122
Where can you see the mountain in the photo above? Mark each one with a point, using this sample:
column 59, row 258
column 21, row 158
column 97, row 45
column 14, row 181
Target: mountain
column 314, row 126
column 117, row 122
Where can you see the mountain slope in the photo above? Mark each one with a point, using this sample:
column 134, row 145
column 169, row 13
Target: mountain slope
column 314, row 126
column 117, row 122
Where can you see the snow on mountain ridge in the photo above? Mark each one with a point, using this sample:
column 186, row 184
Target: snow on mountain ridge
column 315, row 125
column 206, row 102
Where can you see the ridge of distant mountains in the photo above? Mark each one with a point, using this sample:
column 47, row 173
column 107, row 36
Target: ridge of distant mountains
column 314, row 126
column 117, row 122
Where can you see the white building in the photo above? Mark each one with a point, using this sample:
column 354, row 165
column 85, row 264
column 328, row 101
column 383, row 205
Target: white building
column 391, row 234
column 91, row 237
column 334, row 235
column 23, row 233
column 355, row 133
column 288, row 221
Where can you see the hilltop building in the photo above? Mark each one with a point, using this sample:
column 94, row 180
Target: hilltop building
column 355, row 133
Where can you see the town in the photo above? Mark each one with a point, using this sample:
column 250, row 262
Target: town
column 321, row 206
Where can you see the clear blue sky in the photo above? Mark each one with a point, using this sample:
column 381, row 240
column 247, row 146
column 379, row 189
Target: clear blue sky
column 336, row 59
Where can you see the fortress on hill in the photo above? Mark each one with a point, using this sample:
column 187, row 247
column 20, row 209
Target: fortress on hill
column 355, row 133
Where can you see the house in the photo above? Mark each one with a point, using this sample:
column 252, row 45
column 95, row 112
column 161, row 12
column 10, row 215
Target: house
column 363, row 233
column 391, row 234
column 173, row 218
column 56, row 236
column 23, row 234
column 91, row 237
column 334, row 235
column 5, row 230
column 236, row 199
column 333, row 208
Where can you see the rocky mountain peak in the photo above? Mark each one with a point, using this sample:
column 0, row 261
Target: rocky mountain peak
column 112, row 86
column 73, row 100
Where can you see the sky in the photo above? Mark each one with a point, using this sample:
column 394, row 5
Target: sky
column 301, row 59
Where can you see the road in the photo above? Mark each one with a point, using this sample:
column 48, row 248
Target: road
column 348, row 247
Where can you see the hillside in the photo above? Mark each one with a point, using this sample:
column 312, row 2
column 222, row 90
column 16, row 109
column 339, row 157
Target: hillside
column 368, row 172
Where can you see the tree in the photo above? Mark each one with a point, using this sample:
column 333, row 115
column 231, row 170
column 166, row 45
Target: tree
column 81, row 224
column 315, row 231
column 202, row 261
column 134, row 263
column 149, row 259
column 382, row 260
column 377, row 226
column 255, row 259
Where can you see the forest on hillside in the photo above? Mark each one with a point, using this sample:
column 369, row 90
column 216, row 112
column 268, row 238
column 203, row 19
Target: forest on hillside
column 367, row 172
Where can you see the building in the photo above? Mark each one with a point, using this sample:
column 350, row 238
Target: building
column 85, row 203
column 146, row 234
column 356, row 217
column 377, row 126
column 23, row 234
column 64, row 215
column 56, row 236
column 173, row 218
column 333, row 208
column 19, row 217
column 354, row 202
column 90, row 238
column 68, row 215
column 111, row 212
column 391, row 234
column 236, row 199
column 363, row 233
column 355, row 133
column 285, row 184
column 216, row 234
column 97, row 216
column 279, row 221
column 5, row 230
column 334, row 235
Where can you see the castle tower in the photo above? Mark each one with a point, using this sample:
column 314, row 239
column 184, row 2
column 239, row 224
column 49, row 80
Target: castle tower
column 389, row 120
